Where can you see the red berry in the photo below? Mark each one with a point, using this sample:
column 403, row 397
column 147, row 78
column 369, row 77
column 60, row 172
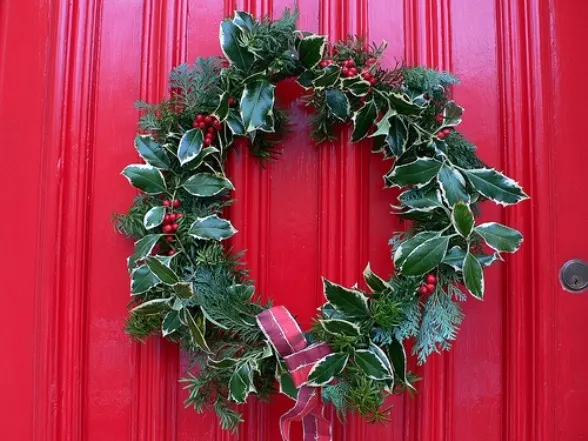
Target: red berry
column 217, row 124
column 431, row 279
column 195, row 124
column 177, row 203
column 178, row 216
column 171, row 252
column 199, row 117
column 345, row 71
column 350, row 63
column 423, row 290
column 373, row 81
column 202, row 125
column 207, row 119
column 446, row 132
column 231, row 101
column 211, row 135
column 175, row 227
column 430, row 287
column 323, row 64
column 167, row 203
column 211, row 130
column 169, row 238
column 168, row 219
column 366, row 76
column 352, row 71
column 207, row 141
column 439, row 118
column 167, row 229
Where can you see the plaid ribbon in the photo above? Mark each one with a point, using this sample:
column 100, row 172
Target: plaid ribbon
column 285, row 335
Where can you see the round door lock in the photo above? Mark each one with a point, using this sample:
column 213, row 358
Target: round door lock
column 574, row 275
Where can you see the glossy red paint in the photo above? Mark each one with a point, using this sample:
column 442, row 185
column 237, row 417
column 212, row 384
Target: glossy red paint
column 70, row 72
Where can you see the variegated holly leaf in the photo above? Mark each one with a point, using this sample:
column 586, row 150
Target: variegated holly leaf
column 337, row 103
column 207, row 184
column 495, row 186
column 373, row 281
column 397, row 138
column 197, row 327
column 327, row 368
column 212, row 228
column 199, row 160
column 462, row 219
column 307, row 77
column 171, row 323
column 154, row 217
column 143, row 248
column 383, row 126
column 163, row 272
column 473, row 276
column 329, row 77
column 500, row 237
column 357, row 88
column 287, row 386
column 184, row 290
column 241, row 383
column 371, row 365
column 456, row 255
column 425, row 257
column 224, row 363
column 310, row 50
column 452, row 115
column 145, row 177
column 363, row 120
column 257, row 105
column 235, row 123
column 418, row 172
column 409, row 245
column 142, row 280
column 397, row 355
column 152, row 152
column 452, row 185
column 350, row 302
column 421, row 199
column 243, row 20
column 404, row 105
column 230, row 41
column 190, row 146
column 222, row 110
column 151, row 307
column 341, row 327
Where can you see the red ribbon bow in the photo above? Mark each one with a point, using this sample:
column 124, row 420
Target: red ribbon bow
column 285, row 335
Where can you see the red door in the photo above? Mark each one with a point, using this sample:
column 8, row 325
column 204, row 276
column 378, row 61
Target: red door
column 69, row 73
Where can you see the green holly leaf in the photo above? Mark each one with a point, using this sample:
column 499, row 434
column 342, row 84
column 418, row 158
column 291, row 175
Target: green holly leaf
column 152, row 152
column 473, row 276
column 184, row 290
column 287, row 386
column 409, row 245
column 145, row 177
column 190, row 146
column 199, row 160
column 397, row 355
column 452, row 185
column 421, row 199
column 425, row 257
column 310, row 50
column 307, row 77
column 207, row 185
column 358, row 87
column 373, row 281
column 257, row 105
column 500, row 237
column 363, row 120
column 197, row 327
column 143, row 248
column 243, row 20
column 222, row 110
column 462, row 219
column 330, row 76
column 230, row 39
column 152, row 307
column 235, row 123
column 350, row 302
column 337, row 103
column 456, row 255
column 383, row 126
column 211, row 228
column 154, row 217
column 241, row 383
column 225, row 363
column 404, row 105
column 341, row 327
column 371, row 365
column 171, row 323
column 397, row 138
column 142, row 280
column 163, row 272
column 452, row 115
column 418, row 172
column 495, row 186
column 327, row 368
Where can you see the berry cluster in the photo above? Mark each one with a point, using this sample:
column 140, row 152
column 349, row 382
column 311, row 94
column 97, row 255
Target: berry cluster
column 170, row 222
column 442, row 134
column 209, row 126
column 429, row 284
column 349, row 69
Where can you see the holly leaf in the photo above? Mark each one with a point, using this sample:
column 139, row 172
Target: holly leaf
column 151, row 307
column 462, row 219
column 397, row 355
column 190, row 146
column 257, row 105
column 363, row 120
column 452, row 185
column 222, row 110
column 452, row 115
column 287, row 386
column 329, row 77
column 383, row 126
column 421, row 199
column 495, row 186
column 145, row 177
column 456, row 255
column 143, row 248
column 350, row 302
column 230, row 39
column 154, row 217
column 207, row 185
column 310, row 50
column 243, row 20
column 184, row 290
column 418, row 172
column 199, row 160
column 197, row 329
column 397, row 138
column 235, row 123
column 404, row 105
column 152, row 152
column 327, row 368
column 373, row 281
column 371, row 365
column 171, row 323
column 341, row 327
column 358, row 88
column 163, row 272
column 241, row 383
column 142, row 280
column 425, row 257
column 212, row 228
column 409, row 245
column 500, row 237
column 473, row 276
column 307, row 77
column 337, row 103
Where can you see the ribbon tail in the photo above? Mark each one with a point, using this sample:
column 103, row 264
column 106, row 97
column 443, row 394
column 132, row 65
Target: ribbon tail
column 304, row 405
column 316, row 427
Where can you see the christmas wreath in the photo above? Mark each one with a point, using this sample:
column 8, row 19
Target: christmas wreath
column 186, row 286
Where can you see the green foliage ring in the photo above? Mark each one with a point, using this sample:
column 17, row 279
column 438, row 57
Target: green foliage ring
column 187, row 287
